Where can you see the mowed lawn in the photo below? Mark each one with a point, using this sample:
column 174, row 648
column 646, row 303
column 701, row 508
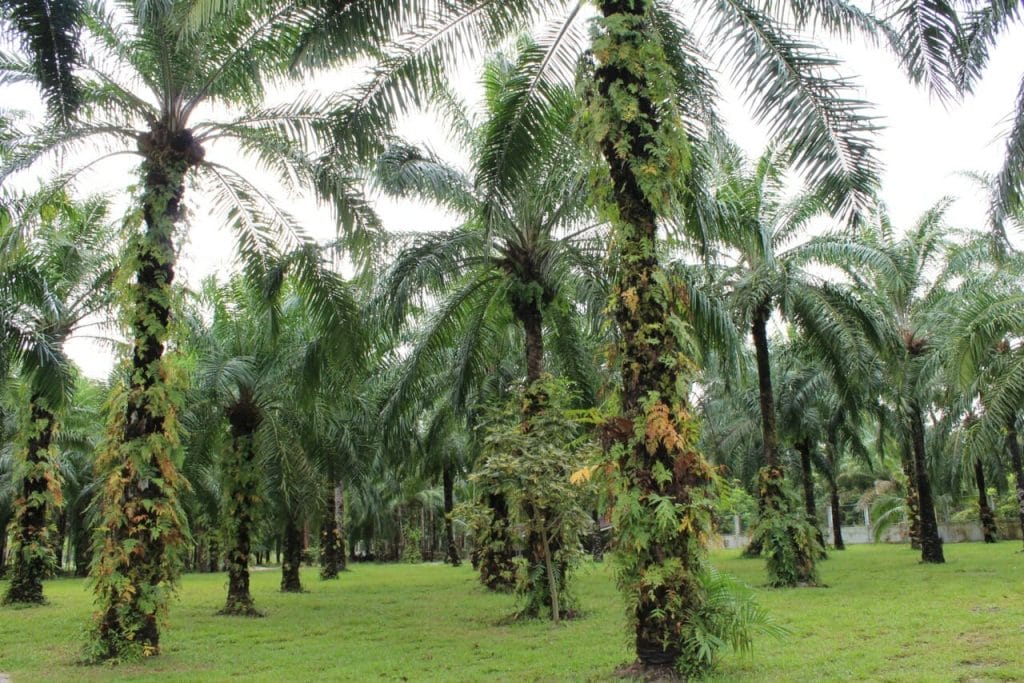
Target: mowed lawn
column 883, row 617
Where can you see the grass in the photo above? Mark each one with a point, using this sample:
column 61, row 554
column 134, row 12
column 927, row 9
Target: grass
column 884, row 617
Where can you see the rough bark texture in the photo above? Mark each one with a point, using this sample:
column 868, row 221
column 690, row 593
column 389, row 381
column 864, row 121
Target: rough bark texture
column 241, row 498
column 1013, row 446
column 913, row 502
column 451, row 555
column 988, row 520
column 494, row 560
column 529, row 315
column 931, row 543
column 32, row 556
column 331, row 548
column 292, row 560
column 148, row 513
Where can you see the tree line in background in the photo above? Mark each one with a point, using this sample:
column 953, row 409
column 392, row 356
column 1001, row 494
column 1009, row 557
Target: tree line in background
column 573, row 354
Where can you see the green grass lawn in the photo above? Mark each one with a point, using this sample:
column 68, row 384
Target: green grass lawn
column 884, row 617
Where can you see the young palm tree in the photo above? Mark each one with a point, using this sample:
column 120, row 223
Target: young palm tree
column 51, row 285
column 980, row 325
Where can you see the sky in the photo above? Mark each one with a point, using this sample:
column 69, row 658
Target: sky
column 923, row 145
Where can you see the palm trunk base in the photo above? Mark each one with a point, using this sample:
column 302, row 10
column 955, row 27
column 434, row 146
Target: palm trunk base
column 26, row 587
column 789, row 542
column 290, row 581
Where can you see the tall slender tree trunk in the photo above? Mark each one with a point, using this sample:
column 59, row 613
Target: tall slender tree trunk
column 448, row 486
column 1013, row 446
column 339, row 521
column 331, row 547
column 837, row 522
column 292, row 561
column 913, row 500
column 139, row 502
column 240, row 500
column 832, row 444
column 32, row 555
column 658, row 563
column 931, row 543
column 988, row 520
column 792, row 565
column 804, row 448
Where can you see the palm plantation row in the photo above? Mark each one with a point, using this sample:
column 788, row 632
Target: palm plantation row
column 613, row 253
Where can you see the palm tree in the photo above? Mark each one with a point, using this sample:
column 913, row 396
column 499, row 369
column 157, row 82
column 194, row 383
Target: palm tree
column 907, row 293
column 523, row 247
column 980, row 326
column 51, row 285
column 149, row 72
column 776, row 269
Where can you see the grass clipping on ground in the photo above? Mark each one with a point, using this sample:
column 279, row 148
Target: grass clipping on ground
column 883, row 617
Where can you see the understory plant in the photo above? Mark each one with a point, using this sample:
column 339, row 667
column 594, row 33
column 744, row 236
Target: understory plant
column 531, row 447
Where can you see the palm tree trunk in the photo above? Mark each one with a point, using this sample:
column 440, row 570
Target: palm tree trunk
column 913, row 500
column 530, row 317
column 240, row 499
column 654, row 369
column 988, row 520
column 837, row 522
column 448, row 485
column 807, row 479
column 330, row 538
column 339, row 521
column 766, row 396
column 1013, row 445
column 787, row 566
column 32, row 553
column 140, row 504
column 495, row 558
column 931, row 544
column 831, row 443
column 290, row 582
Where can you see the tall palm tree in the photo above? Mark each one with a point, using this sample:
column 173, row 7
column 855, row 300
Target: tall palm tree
column 776, row 269
column 907, row 293
column 51, row 285
column 526, row 246
column 151, row 70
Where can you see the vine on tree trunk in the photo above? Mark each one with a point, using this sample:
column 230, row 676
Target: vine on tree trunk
column 663, row 486
column 32, row 546
column 142, row 528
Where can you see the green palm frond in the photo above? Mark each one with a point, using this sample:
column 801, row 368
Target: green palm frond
column 806, row 105
column 49, row 32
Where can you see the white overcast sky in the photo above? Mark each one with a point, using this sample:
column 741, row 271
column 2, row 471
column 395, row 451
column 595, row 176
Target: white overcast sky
column 923, row 146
